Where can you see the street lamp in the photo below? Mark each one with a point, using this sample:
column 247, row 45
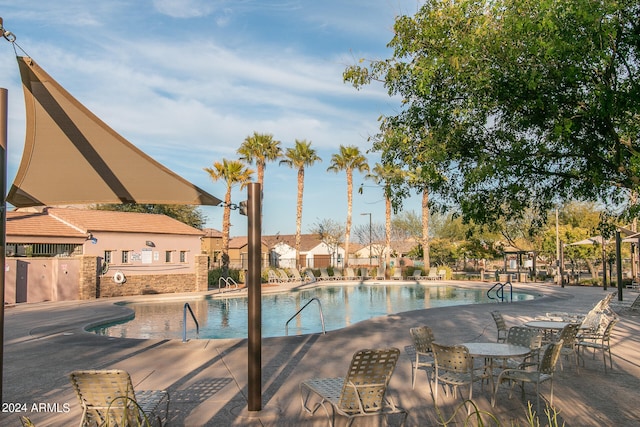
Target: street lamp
column 370, row 240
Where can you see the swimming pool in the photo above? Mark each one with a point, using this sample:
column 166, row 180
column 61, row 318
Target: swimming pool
column 342, row 305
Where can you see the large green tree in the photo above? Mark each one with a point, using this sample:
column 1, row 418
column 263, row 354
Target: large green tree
column 518, row 103
column 300, row 156
column 348, row 159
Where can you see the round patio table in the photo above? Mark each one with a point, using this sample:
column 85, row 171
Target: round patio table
column 548, row 327
column 495, row 350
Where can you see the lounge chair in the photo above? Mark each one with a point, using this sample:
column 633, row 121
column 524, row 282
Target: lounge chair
column 337, row 275
column 364, row 274
column 544, row 372
column 349, row 274
column 284, row 276
column 433, row 274
column 442, row 274
column 273, row 277
column 308, row 274
column 108, row 398
column 324, row 275
column 361, row 393
column 416, row 275
column 295, row 274
column 397, row 274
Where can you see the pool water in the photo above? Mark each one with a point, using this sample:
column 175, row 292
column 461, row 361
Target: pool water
column 227, row 317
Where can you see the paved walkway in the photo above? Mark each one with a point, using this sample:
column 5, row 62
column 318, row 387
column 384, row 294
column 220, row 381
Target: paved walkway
column 207, row 379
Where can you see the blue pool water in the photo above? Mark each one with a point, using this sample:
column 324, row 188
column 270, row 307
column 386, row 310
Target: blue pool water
column 226, row 317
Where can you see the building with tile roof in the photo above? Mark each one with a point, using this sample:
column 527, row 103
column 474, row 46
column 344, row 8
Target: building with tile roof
column 133, row 253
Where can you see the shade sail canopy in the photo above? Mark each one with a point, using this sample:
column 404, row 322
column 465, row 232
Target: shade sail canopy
column 595, row 240
column 73, row 157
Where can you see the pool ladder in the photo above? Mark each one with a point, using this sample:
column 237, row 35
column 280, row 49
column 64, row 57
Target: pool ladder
column 286, row 326
column 499, row 287
column 184, row 322
column 228, row 282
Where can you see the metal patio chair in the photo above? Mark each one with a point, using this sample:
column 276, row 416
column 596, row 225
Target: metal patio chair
column 361, row 393
column 108, row 399
column 501, row 325
column 420, row 353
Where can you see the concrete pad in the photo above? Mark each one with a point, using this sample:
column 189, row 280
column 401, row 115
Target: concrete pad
column 207, row 379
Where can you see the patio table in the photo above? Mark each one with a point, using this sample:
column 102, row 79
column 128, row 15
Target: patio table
column 495, row 350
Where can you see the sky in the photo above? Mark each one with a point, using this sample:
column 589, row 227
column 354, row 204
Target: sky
column 186, row 81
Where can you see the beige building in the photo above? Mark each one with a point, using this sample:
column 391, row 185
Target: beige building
column 66, row 254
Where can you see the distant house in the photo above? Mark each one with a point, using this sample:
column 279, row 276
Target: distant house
column 313, row 252
column 85, row 254
column 211, row 244
column 239, row 252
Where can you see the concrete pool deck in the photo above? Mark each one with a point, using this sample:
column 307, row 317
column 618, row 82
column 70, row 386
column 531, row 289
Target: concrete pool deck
column 207, row 379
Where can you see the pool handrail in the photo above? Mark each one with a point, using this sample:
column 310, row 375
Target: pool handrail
column 184, row 322
column 500, row 291
column 286, row 326
column 228, row 281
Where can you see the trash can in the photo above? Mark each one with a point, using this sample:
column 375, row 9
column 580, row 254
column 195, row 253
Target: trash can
column 524, row 277
column 503, row 278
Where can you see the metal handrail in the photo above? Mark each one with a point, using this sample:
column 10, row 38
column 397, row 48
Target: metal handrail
column 184, row 322
column 228, row 281
column 500, row 291
column 286, row 326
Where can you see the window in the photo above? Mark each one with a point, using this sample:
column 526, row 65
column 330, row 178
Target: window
column 125, row 257
column 183, row 256
column 108, row 257
column 167, row 256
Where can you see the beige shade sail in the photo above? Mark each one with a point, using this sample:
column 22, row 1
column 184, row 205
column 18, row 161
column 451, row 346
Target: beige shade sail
column 73, row 157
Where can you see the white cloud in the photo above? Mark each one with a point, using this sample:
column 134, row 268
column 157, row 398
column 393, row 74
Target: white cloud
column 184, row 8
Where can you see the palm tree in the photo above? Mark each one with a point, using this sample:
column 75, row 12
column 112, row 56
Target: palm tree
column 260, row 148
column 232, row 172
column 348, row 159
column 417, row 180
column 298, row 157
column 385, row 175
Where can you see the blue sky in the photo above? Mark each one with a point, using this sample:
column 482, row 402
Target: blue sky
column 187, row 81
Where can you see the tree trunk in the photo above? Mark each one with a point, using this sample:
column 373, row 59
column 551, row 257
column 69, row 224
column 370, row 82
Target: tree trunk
column 299, row 214
column 425, row 229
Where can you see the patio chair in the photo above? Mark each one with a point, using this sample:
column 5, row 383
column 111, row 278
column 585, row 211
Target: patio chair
column 442, row 274
column 108, row 398
column 297, row 277
column 361, row 393
column 501, row 325
column 635, row 305
column 337, row 274
column 568, row 336
column 598, row 341
column 454, row 368
column 420, row 353
column 524, row 337
column 544, row 372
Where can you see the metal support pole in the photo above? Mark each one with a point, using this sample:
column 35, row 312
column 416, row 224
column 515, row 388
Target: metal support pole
column 3, row 218
column 254, row 287
column 619, row 263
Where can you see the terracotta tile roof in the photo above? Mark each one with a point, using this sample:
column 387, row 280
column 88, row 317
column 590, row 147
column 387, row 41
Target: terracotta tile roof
column 212, row 232
column 307, row 241
column 133, row 222
column 39, row 224
column 240, row 242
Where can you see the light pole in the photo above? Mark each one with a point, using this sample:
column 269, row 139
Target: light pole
column 370, row 239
